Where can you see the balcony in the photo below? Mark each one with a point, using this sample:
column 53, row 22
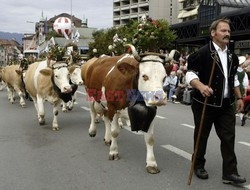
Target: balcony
column 189, row 6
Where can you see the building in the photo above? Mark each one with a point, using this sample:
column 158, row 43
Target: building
column 2, row 56
column 9, row 51
column 188, row 10
column 195, row 33
column 126, row 10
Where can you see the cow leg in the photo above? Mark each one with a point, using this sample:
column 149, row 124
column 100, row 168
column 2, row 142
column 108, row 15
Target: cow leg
column 107, row 137
column 150, row 160
column 74, row 98
column 21, row 96
column 92, row 127
column 70, row 105
column 35, row 104
column 2, row 85
column 10, row 94
column 55, row 126
column 64, row 107
column 40, row 109
column 98, row 118
column 22, row 102
column 115, row 130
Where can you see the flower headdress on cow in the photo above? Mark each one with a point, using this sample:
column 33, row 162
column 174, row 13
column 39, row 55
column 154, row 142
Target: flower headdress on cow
column 73, row 51
column 150, row 35
column 57, row 53
column 117, row 48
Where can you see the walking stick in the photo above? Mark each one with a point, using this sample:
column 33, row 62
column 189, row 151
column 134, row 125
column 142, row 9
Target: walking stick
column 201, row 127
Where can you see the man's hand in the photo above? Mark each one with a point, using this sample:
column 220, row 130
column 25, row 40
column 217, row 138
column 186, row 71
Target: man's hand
column 206, row 91
column 240, row 105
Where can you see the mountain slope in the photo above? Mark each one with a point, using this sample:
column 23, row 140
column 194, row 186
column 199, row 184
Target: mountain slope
column 10, row 36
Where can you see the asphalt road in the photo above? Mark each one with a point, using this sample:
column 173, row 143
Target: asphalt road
column 33, row 157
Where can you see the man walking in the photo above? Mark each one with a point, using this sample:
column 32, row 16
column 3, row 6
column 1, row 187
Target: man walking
column 221, row 96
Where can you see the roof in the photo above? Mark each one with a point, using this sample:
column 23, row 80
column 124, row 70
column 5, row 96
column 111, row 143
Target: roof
column 234, row 3
column 9, row 42
column 81, row 43
column 86, row 32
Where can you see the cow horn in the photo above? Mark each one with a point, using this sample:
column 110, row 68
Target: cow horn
column 171, row 55
column 70, row 59
column 134, row 52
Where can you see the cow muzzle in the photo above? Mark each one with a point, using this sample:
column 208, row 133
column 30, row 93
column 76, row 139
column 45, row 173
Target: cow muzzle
column 158, row 100
column 80, row 83
column 66, row 89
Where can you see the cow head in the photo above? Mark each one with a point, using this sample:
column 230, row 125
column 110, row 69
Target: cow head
column 75, row 74
column 150, row 75
column 60, row 75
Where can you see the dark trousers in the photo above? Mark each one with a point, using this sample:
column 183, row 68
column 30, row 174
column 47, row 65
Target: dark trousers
column 223, row 119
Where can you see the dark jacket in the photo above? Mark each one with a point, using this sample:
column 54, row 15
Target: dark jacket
column 201, row 63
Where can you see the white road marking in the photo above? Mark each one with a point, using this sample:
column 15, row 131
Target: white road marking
column 247, row 186
column 84, row 93
column 245, row 143
column 178, row 151
column 160, row 117
column 186, row 125
column 85, row 108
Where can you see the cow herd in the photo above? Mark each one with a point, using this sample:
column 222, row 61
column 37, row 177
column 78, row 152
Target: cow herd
column 129, row 83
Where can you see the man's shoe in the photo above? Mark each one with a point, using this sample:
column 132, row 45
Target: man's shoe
column 174, row 96
column 243, row 121
column 233, row 179
column 201, row 173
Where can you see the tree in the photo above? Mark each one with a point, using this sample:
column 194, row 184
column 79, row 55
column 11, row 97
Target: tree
column 145, row 35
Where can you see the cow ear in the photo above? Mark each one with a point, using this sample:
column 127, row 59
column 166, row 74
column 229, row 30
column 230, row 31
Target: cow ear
column 18, row 72
column 128, row 68
column 46, row 72
column 71, row 69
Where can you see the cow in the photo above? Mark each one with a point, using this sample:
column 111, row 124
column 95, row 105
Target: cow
column 75, row 80
column 48, row 80
column 109, row 82
column 12, row 76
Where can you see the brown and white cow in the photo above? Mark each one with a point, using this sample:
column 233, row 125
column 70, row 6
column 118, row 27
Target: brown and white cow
column 109, row 81
column 12, row 76
column 75, row 80
column 48, row 80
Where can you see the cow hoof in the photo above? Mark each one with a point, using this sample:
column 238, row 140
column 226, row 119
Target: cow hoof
column 23, row 106
column 152, row 170
column 114, row 157
column 97, row 121
column 92, row 134
column 41, row 122
column 107, row 143
column 55, row 128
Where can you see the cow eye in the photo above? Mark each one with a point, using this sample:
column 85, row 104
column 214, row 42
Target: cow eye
column 145, row 77
column 56, row 76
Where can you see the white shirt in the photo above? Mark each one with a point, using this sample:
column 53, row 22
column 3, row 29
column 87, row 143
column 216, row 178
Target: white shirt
column 223, row 58
column 245, row 79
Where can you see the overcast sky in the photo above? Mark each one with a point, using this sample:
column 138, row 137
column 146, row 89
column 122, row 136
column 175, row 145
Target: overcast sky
column 14, row 14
